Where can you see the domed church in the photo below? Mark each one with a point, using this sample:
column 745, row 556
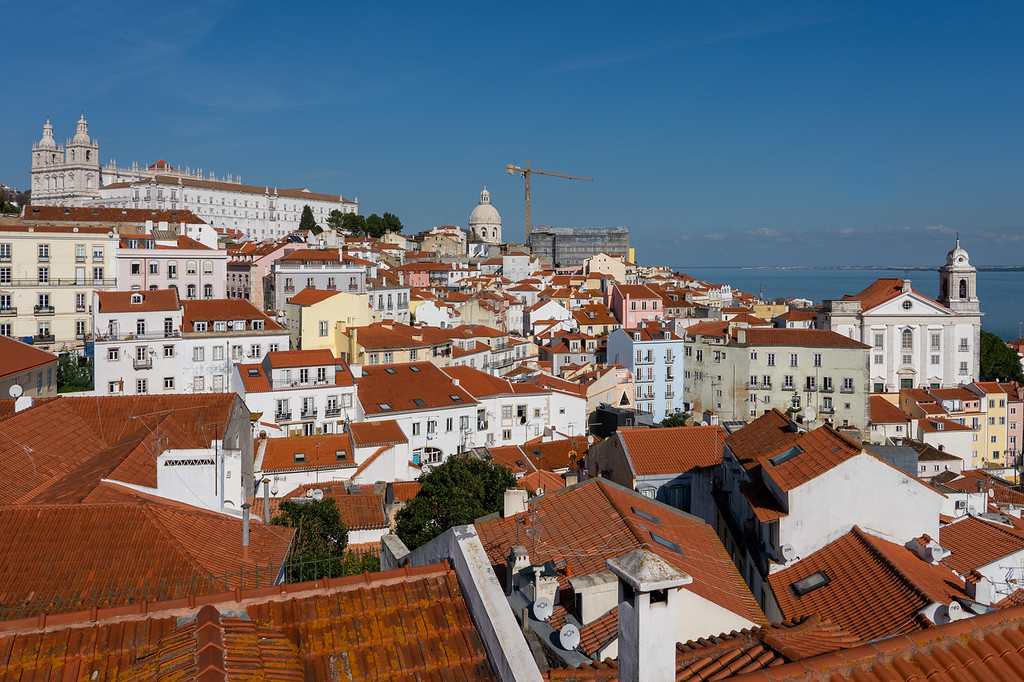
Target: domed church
column 484, row 221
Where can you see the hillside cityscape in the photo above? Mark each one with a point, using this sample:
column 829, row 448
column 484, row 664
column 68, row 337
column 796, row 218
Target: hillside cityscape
column 627, row 412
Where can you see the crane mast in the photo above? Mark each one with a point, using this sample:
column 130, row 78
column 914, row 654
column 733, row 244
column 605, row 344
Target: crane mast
column 526, row 173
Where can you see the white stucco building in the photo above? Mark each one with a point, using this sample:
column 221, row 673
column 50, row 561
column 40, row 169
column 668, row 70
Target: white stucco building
column 138, row 342
column 916, row 342
column 484, row 221
column 71, row 175
column 163, row 259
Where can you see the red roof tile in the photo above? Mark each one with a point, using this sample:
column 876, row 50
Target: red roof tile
column 767, row 433
column 301, row 358
column 152, row 300
column 224, row 310
column 397, row 388
column 810, row 338
column 17, row 357
column 674, row 450
column 884, row 412
column 317, row 452
column 386, row 432
column 793, row 464
column 976, row 542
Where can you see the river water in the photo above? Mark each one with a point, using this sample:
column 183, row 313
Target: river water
column 1001, row 293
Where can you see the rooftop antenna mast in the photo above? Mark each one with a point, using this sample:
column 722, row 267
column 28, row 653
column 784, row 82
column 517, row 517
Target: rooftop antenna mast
column 525, row 173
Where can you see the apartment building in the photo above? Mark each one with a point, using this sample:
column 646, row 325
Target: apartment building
column 48, row 274
column 741, row 373
column 137, row 342
column 654, row 354
column 311, row 269
column 163, row 259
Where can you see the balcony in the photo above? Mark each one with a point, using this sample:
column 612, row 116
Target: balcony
column 481, row 425
column 845, row 389
column 5, row 258
column 753, row 386
column 289, row 289
column 827, row 409
column 9, row 311
column 143, row 363
column 332, row 412
column 283, row 416
column 827, row 389
column 43, row 310
column 310, row 413
column 43, row 338
column 60, row 282
column 331, row 287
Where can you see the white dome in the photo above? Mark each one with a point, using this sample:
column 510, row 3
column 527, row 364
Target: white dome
column 47, row 142
column 82, row 135
column 484, row 214
column 957, row 256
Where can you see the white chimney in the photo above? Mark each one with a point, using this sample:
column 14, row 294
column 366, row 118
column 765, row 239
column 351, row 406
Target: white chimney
column 518, row 559
column 648, row 588
column 515, row 502
column 979, row 588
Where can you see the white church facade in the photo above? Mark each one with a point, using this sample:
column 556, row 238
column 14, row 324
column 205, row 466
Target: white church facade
column 71, row 175
column 916, row 342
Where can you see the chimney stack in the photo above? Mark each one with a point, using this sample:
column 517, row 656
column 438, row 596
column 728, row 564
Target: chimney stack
column 648, row 589
column 979, row 588
column 515, row 502
column 266, row 500
column 245, row 532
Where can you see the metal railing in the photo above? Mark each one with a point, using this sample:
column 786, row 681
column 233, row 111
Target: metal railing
column 332, row 412
column 310, row 413
column 283, row 416
column 44, row 338
column 142, row 363
column 9, row 311
column 43, row 310
column 60, row 282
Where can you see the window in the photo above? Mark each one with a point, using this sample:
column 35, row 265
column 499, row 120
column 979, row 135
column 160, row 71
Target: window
column 907, row 340
column 826, row 384
column 208, row 267
column 44, row 252
column 993, row 439
column 190, row 267
column 700, row 355
column 136, row 267
column 44, row 275
column 168, row 351
column 218, row 383
column 793, row 359
column 963, row 368
column 207, row 291
column 255, row 351
column 168, row 383
column 323, row 327
column 190, row 291
column 154, row 268
column 810, row 384
column 5, row 275
column 415, row 428
column 113, row 354
column 847, row 385
column 771, row 359
column 431, row 426
column 140, row 327
column 753, row 355
column 936, row 359
column 141, row 386
column 218, row 352
column 172, row 269
column 113, row 386
column 787, row 382
column 817, row 359
column 506, row 434
column 5, row 253
column 963, row 346
column 97, row 275
column 936, row 341
column 506, row 411
column 879, row 341
column 991, row 421
column 449, row 424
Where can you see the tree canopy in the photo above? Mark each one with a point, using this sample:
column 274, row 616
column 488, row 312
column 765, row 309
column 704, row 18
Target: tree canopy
column 353, row 224
column 454, row 494
column 74, row 372
column 336, row 220
column 392, row 222
column 998, row 361
column 307, row 221
column 320, row 540
column 375, row 226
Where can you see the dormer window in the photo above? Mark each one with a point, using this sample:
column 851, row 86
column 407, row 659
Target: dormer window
column 199, row 326
column 257, row 324
column 636, row 336
column 136, row 298
column 220, row 326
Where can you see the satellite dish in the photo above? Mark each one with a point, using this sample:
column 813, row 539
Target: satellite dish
column 591, row 440
column 542, row 608
column 15, row 391
column 704, row 422
column 788, row 553
column 809, row 413
column 569, row 637
column 954, row 611
column 539, row 491
column 317, row 494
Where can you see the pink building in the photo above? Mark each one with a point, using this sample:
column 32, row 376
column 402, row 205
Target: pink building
column 165, row 260
column 633, row 304
column 249, row 264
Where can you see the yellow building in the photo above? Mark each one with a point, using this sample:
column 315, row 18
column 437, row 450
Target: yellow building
column 993, row 434
column 315, row 316
column 48, row 274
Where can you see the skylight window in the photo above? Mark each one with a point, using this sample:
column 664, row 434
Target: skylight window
column 389, row 370
column 414, row 369
column 456, row 398
column 645, row 515
column 254, row 372
column 665, row 542
column 785, row 456
column 418, row 402
column 300, row 456
column 384, row 406
column 810, row 583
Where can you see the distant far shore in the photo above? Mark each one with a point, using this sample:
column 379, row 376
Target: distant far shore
column 928, row 268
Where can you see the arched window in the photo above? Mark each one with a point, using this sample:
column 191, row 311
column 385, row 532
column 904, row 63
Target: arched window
column 207, row 291
column 190, row 267
column 208, row 267
column 191, row 291
column 908, row 339
column 963, row 288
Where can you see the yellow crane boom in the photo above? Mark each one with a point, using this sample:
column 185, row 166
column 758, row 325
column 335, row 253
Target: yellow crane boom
column 526, row 173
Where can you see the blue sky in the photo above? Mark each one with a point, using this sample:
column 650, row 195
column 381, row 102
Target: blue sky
column 720, row 133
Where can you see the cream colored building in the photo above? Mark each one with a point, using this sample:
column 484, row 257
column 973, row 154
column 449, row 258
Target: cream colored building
column 48, row 274
column 315, row 317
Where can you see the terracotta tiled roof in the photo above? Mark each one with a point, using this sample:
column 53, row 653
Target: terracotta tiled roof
column 979, row 649
column 710, row 328
column 884, row 412
column 225, row 309
column 99, row 214
column 878, row 292
column 386, row 432
column 360, row 511
column 638, row 291
column 17, row 357
column 674, row 450
column 976, row 542
column 64, row 551
column 312, row 255
column 152, row 300
column 809, row 338
column 317, row 452
column 405, row 490
column 762, row 502
column 545, row 481
column 410, row 386
column 998, row 490
column 767, row 433
column 875, row 589
column 815, row 453
column 312, row 296
column 410, row 623
column 596, row 520
column 301, row 358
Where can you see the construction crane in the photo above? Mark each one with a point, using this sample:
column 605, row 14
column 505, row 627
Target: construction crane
column 526, row 172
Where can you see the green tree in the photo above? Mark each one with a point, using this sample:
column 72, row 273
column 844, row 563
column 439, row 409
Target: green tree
column 999, row 361
column 353, row 224
column 318, row 549
column 375, row 226
column 307, row 221
column 392, row 222
column 74, row 372
column 454, row 494
column 673, row 420
column 336, row 220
